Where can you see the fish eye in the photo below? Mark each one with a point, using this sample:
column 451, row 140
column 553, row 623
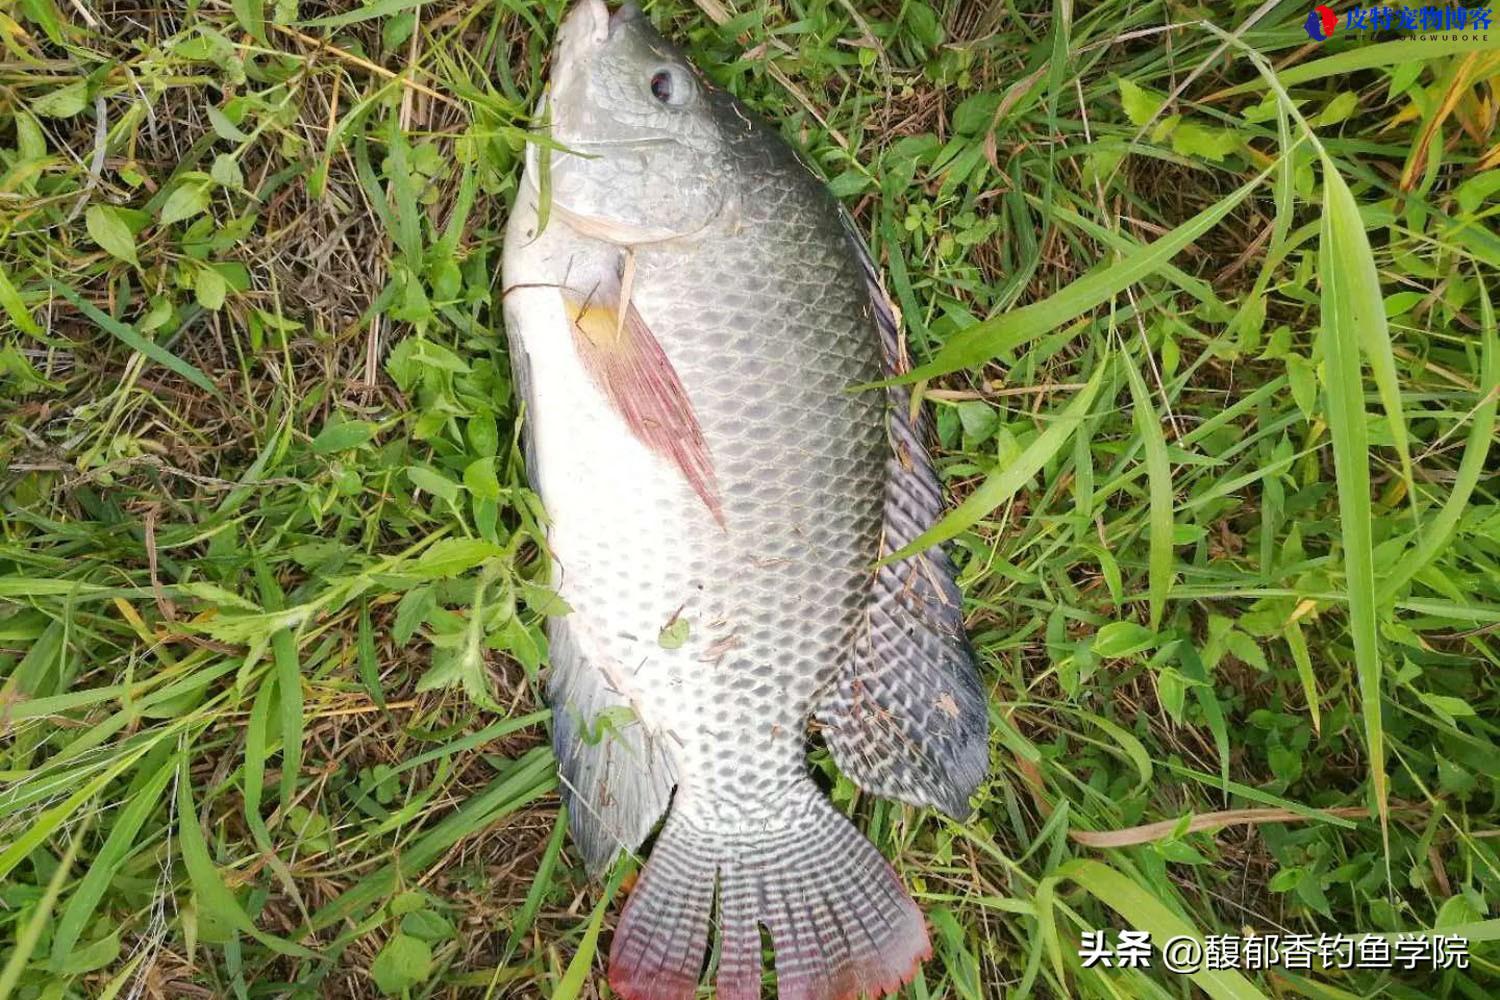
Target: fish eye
column 670, row 86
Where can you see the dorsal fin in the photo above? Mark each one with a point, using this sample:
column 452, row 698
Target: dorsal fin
column 908, row 719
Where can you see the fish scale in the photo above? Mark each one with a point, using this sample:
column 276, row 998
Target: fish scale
column 688, row 352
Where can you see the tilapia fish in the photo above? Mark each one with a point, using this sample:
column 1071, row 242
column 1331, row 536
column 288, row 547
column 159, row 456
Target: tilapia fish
column 689, row 311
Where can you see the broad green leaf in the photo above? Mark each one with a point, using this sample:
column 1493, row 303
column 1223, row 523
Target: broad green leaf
column 480, row 479
column 224, row 128
column 62, row 102
column 226, row 171
column 213, row 895
column 452, row 556
column 435, row 483
column 188, row 199
column 1119, row 639
column 427, row 925
column 1141, row 105
column 15, row 306
column 209, row 288
column 1191, row 139
column 90, row 957
column 111, row 232
column 341, row 435
column 251, row 14
column 404, row 962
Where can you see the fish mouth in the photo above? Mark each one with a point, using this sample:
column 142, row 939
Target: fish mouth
column 624, row 14
column 585, row 28
column 591, row 23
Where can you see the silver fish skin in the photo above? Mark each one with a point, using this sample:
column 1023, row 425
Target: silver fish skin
column 686, row 330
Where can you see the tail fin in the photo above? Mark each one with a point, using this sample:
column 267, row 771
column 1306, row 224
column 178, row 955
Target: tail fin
column 842, row 926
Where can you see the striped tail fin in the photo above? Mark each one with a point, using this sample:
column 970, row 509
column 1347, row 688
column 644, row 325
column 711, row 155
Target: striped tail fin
column 841, row 924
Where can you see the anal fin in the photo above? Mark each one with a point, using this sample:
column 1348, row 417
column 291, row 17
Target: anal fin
column 616, row 777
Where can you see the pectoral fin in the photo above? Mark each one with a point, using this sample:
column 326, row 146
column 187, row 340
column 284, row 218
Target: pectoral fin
column 630, row 368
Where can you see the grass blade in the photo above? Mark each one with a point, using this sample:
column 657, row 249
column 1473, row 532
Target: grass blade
column 213, row 895
column 1003, row 484
column 31, row 934
column 570, row 987
column 984, row 341
column 48, row 822
column 1342, row 311
column 526, row 915
column 1159, row 483
column 1470, row 467
column 136, row 342
column 288, row 686
column 116, row 847
column 530, row 776
column 1297, row 643
column 253, row 773
column 1364, row 57
column 1361, row 286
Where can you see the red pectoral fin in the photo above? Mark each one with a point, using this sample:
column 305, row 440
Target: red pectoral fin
column 628, row 365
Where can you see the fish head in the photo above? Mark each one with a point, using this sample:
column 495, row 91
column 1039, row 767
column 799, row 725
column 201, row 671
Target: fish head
column 638, row 154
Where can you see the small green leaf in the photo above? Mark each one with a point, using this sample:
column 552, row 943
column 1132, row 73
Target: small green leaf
column 416, row 604
column 435, row 483
column 189, row 198
column 91, row 957
column 1141, row 105
column 1203, row 142
column 1338, row 109
column 64, row 102
column 674, row 633
column 342, row 435
column 1446, row 705
column 110, row 230
column 224, row 128
column 15, row 306
column 226, row 171
column 453, row 556
column 401, row 964
column 480, row 479
column 209, row 288
column 409, row 901
column 1119, row 639
column 543, row 600
column 427, row 925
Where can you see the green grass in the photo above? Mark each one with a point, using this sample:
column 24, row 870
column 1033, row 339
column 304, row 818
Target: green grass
column 1206, row 317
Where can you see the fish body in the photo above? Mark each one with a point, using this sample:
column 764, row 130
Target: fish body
column 687, row 326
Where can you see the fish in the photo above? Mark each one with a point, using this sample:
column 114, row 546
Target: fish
column 695, row 325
